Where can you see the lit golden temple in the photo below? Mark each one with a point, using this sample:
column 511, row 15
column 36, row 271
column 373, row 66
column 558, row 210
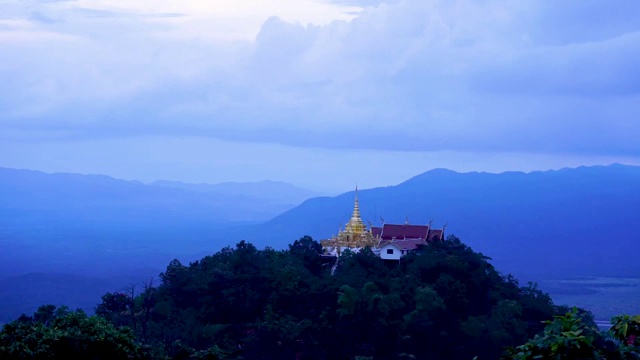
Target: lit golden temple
column 390, row 241
column 355, row 234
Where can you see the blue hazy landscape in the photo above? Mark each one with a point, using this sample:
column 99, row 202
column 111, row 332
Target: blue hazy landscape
column 70, row 238
column 200, row 178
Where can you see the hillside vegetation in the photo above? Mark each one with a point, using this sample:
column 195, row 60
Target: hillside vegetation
column 443, row 301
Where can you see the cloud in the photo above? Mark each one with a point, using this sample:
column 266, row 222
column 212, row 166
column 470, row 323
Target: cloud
column 363, row 3
column 405, row 75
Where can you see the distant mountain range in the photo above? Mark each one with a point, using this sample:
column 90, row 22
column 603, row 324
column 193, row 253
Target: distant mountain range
column 69, row 238
column 75, row 223
column 275, row 192
column 30, row 197
column 582, row 221
column 570, row 222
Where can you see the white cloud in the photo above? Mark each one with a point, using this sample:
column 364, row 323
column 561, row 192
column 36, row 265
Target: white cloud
column 410, row 75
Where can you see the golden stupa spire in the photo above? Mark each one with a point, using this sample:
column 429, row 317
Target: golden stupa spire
column 355, row 234
column 356, row 224
column 356, row 207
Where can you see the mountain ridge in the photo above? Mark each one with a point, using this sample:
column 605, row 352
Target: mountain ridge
column 561, row 223
column 514, row 211
column 279, row 191
column 54, row 195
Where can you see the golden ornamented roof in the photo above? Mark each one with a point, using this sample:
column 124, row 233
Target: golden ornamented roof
column 355, row 224
column 354, row 236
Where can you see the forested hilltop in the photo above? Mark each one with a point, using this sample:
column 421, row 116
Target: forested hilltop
column 443, row 301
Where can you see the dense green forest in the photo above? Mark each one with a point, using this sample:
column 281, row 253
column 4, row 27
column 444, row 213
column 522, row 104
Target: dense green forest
column 443, row 301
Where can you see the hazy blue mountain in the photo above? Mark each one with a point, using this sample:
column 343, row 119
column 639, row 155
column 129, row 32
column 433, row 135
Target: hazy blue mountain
column 97, row 224
column 582, row 221
column 275, row 191
column 33, row 197
column 69, row 238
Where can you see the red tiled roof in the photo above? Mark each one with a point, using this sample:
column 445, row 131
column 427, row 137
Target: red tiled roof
column 391, row 231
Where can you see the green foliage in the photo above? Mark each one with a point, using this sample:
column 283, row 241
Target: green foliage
column 626, row 328
column 443, row 301
column 212, row 353
column 569, row 337
column 53, row 334
column 116, row 307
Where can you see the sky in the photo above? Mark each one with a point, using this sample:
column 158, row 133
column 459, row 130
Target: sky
column 323, row 94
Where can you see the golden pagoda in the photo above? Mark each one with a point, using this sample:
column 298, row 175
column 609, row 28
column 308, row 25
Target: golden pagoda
column 355, row 234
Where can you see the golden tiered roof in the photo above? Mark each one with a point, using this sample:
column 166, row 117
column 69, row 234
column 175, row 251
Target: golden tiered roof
column 355, row 224
column 355, row 235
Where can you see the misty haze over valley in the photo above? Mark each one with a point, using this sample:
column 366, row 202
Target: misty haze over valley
column 70, row 238
column 319, row 179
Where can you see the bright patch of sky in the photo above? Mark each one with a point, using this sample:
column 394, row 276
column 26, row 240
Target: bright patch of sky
column 319, row 93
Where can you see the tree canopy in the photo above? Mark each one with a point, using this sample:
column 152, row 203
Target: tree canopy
column 442, row 301
column 57, row 333
column 568, row 336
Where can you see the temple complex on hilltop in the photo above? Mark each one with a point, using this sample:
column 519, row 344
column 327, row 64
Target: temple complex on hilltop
column 390, row 241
